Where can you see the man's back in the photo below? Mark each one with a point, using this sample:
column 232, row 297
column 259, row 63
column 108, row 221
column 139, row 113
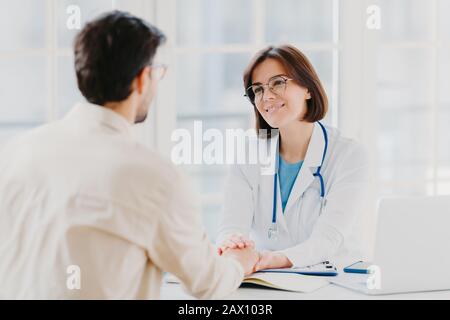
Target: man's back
column 81, row 193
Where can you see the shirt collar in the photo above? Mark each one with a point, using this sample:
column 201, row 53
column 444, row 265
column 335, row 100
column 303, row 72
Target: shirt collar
column 103, row 116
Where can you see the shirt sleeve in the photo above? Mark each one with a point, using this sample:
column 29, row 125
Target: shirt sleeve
column 238, row 210
column 344, row 202
column 180, row 246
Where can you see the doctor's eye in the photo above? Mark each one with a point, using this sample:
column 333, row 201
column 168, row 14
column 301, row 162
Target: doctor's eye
column 277, row 83
column 257, row 90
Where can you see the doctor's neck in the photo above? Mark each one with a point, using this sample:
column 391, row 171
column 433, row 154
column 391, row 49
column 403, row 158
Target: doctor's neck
column 294, row 140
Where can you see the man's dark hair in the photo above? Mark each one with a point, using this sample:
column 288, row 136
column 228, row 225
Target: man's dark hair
column 110, row 52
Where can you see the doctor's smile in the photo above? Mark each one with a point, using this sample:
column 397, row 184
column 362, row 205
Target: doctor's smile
column 273, row 108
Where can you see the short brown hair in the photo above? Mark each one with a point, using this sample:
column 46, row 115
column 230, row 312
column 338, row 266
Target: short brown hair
column 300, row 69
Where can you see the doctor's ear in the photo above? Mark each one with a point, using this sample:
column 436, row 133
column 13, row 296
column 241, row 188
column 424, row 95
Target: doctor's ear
column 308, row 95
column 141, row 80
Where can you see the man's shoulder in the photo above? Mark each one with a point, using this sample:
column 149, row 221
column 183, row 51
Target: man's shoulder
column 150, row 164
column 31, row 136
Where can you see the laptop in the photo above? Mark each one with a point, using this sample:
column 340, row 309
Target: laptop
column 412, row 248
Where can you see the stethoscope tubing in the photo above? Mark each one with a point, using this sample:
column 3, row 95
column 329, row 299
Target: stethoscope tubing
column 316, row 174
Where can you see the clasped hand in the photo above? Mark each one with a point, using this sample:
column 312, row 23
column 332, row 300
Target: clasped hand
column 243, row 249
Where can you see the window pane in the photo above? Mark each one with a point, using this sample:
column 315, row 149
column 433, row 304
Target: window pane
column 10, row 131
column 443, row 70
column 444, row 114
column 403, row 117
column 213, row 21
column 67, row 88
column 444, row 143
column 403, row 78
column 27, row 19
column 211, row 82
column 443, row 187
column 405, row 20
column 443, row 20
column 89, row 10
column 23, row 88
column 299, row 21
column 405, row 172
column 399, row 188
column 210, row 180
column 403, row 144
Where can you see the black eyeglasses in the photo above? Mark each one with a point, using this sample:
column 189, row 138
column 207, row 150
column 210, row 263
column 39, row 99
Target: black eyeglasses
column 276, row 84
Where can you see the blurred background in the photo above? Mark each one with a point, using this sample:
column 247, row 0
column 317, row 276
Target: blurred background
column 389, row 88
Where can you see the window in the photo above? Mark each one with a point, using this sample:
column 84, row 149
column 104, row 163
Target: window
column 412, row 101
column 23, row 65
column 387, row 87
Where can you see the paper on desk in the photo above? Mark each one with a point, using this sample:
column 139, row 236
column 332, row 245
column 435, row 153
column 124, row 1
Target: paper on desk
column 283, row 281
column 287, row 281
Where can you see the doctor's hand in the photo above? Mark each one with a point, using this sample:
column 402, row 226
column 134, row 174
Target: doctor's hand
column 235, row 241
column 272, row 260
column 247, row 257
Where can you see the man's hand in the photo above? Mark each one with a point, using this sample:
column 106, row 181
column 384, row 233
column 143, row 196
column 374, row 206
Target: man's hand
column 272, row 260
column 235, row 241
column 247, row 257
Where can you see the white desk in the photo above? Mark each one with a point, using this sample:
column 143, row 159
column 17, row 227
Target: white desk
column 173, row 291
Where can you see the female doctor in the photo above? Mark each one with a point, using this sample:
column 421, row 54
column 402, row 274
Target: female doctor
column 308, row 211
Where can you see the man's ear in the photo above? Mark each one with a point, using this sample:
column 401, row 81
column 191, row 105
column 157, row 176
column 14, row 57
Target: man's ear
column 142, row 79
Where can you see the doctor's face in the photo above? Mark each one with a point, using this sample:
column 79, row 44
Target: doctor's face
column 285, row 102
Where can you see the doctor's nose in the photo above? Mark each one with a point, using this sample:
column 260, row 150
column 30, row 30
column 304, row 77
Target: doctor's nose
column 268, row 95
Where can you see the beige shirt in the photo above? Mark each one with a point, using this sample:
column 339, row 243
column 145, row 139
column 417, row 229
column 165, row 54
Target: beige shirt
column 82, row 192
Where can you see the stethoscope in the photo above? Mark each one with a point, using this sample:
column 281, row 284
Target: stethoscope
column 273, row 230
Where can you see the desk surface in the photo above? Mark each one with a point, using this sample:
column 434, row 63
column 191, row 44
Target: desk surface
column 173, row 291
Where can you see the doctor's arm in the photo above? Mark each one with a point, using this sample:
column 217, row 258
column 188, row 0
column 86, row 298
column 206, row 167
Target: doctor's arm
column 344, row 203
